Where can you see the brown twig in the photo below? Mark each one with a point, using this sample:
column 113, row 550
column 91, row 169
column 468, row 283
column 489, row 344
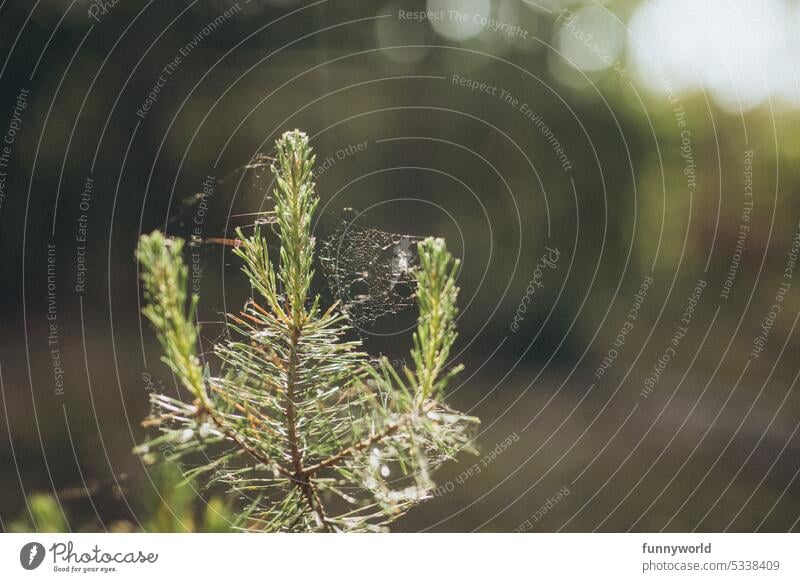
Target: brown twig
column 244, row 445
column 301, row 478
column 360, row 446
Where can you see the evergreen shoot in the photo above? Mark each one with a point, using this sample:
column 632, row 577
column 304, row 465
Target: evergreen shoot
column 307, row 430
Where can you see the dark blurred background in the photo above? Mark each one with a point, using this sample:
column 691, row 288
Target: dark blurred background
column 620, row 179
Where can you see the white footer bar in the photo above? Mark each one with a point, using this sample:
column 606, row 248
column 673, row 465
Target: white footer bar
column 423, row 557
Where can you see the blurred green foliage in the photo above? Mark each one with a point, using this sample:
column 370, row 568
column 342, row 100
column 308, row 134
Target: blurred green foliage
column 173, row 504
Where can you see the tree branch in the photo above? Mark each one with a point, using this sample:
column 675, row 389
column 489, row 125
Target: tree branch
column 247, row 447
column 301, row 478
column 360, row 446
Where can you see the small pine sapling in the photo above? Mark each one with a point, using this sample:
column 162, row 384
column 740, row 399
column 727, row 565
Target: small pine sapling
column 306, row 429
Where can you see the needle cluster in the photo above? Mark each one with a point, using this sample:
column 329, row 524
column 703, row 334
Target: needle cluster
column 309, row 431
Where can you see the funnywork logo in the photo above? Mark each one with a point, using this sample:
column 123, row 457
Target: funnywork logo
column 31, row 555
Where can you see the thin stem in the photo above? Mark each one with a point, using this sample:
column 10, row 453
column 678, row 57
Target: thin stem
column 247, row 447
column 374, row 439
column 301, row 478
column 314, row 502
column 289, row 406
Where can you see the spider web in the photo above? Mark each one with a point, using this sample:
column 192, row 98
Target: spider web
column 369, row 271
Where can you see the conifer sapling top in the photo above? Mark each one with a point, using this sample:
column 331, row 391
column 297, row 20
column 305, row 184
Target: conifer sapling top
column 309, row 431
